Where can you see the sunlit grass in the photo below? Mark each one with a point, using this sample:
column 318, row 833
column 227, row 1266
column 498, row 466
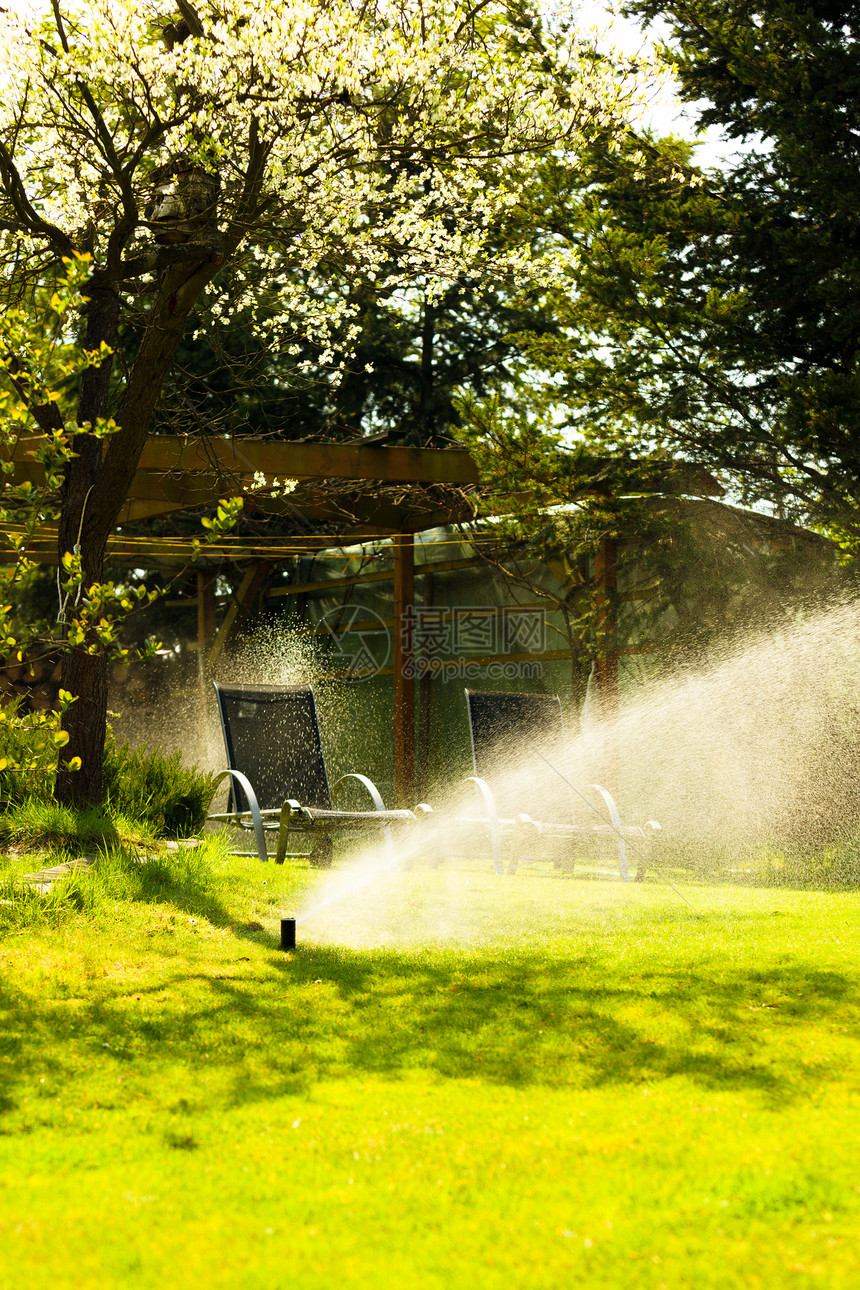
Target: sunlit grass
column 36, row 827
column 455, row 1081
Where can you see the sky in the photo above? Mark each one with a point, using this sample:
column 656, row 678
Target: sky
column 668, row 115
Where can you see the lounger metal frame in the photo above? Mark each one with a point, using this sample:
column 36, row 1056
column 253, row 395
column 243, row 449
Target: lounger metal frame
column 282, row 811
column 521, row 828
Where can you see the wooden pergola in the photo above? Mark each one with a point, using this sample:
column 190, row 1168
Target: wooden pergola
column 338, row 494
column 355, row 492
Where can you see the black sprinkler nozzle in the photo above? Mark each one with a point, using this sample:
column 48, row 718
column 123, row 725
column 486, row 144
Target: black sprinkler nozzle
column 288, row 933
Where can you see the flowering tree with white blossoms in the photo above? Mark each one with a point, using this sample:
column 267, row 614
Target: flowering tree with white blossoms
column 261, row 143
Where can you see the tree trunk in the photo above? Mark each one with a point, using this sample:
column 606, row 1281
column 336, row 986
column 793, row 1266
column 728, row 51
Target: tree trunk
column 96, row 485
column 85, row 674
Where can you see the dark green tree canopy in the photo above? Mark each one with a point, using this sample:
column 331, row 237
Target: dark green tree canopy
column 719, row 317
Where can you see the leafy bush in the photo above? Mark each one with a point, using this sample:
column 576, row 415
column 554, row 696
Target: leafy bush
column 29, row 747
column 835, row 865
column 158, row 790
column 142, row 784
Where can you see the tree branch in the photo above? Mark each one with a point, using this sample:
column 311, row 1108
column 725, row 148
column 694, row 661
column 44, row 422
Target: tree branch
column 246, row 206
column 46, row 415
column 160, row 258
column 27, row 215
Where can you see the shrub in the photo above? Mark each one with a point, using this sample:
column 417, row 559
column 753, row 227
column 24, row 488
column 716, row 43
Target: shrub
column 30, row 745
column 834, row 865
column 143, row 784
column 158, row 790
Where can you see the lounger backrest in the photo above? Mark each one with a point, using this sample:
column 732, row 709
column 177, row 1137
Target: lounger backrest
column 272, row 735
column 505, row 726
column 508, row 731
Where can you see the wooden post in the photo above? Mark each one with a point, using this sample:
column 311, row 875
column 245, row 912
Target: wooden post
column 239, row 610
column 206, row 580
column 404, row 670
column 606, row 587
column 425, row 696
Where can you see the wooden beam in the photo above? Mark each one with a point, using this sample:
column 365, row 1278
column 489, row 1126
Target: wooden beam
column 147, row 552
column 158, row 492
column 289, row 459
column 284, row 459
column 425, row 698
column 205, row 631
column 404, row 670
column 205, row 608
column 605, row 593
column 377, row 575
column 442, row 665
column 380, row 514
column 239, row 607
column 144, row 510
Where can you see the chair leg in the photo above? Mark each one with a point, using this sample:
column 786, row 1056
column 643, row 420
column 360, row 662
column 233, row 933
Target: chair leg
column 286, row 816
column 492, row 821
column 259, row 831
column 615, row 819
column 322, row 856
column 525, row 829
column 424, row 837
column 650, row 831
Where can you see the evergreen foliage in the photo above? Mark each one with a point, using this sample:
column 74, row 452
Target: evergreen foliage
column 157, row 789
column 143, row 785
column 713, row 315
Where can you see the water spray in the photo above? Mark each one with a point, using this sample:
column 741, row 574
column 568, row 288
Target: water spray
column 593, row 808
column 361, row 879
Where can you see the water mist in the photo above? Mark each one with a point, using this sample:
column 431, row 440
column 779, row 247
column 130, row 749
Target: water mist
column 754, row 755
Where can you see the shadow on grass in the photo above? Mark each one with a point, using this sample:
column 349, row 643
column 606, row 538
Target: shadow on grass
column 574, row 1022
column 277, row 1023
column 285, row 1022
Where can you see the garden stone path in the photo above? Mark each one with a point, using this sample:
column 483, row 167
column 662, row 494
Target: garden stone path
column 43, row 879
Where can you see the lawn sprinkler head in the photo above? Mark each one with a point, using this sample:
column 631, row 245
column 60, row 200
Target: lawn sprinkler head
column 288, row 933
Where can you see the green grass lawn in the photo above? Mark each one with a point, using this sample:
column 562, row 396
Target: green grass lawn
column 455, row 1081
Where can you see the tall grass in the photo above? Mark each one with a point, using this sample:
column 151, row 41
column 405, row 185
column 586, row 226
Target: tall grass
column 47, row 826
column 165, row 796
column 183, row 879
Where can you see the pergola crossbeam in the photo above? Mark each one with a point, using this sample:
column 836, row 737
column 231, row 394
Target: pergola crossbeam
column 283, row 458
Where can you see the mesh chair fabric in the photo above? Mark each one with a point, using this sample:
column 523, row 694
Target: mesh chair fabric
column 271, row 734
column 508, row 731
column 504, row 727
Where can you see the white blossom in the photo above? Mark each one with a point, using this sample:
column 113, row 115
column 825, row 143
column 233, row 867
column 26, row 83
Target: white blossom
column 378, row 139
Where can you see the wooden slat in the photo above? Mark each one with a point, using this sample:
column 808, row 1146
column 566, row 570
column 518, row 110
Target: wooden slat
column 136, row 551
column 239, row 607
column 483, row 660
column 143, row 510
column 404, row 674
column 377, row 575
column 281, row 458
column 287, row 459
